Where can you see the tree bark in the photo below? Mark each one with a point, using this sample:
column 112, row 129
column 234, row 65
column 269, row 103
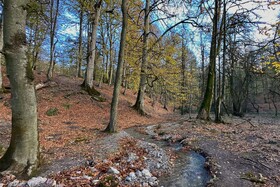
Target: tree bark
column 111, row 59
column 204, row 110
column 202, row 48
column 139, row 104
column 183, row 89
column 21, row 156
column 90, row 66
column 80, row 50
column 112, row 127
column 53, row 23
column 1, row 55
column 221, row 93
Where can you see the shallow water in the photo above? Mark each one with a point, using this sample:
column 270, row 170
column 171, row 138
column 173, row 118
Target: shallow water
column 188, row 169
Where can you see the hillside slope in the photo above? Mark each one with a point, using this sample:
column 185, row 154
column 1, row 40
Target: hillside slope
column 75, row 117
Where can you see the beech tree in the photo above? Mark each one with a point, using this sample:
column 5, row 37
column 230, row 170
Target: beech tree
column 204, row 110
column 88, row 83
column 1, row 55
column 112, row 127
column 80, row 50
column 21, row 156
column 139, row 104
column 37, row 29
column 53, row 28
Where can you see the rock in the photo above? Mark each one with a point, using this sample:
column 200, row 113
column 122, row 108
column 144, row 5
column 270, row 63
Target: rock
column 95, row 182
column 145, row 184
column 105, row 161
column 14, row 183
column 40, row 181
column 153, row 181
column 158, row 165
column 139, row 173
column 113, row 170
column 132, row 157
column 132, row 175
column 90, row 163
column 93, row 169
column 146, row 173
column 87, row 177
column 128, row 179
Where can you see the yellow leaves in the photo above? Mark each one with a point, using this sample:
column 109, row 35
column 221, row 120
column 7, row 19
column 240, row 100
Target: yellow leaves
column 276, row 65
column 271, row 57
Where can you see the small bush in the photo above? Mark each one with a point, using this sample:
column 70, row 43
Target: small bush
column 52, row 112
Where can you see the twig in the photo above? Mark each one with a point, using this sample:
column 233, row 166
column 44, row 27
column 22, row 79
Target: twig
column 246, row 120
column 257, row 162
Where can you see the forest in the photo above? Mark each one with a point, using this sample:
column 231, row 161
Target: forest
column 139, row 93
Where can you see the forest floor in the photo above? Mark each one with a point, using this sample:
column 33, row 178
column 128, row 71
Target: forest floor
column 75, row 151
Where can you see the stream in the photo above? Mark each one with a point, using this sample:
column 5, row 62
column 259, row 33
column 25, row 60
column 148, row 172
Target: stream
column 188, row 169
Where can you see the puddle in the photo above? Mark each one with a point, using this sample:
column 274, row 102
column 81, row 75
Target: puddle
column 188, row 169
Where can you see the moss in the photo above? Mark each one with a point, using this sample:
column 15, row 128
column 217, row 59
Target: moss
column 29, row 72
column 66, row 105
column 250, row 176
column 80, row 139
column 52, row 112
column 2, row 150
column 93, row 93
column 19, row 39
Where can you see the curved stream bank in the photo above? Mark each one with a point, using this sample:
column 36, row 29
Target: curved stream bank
column 188, row 169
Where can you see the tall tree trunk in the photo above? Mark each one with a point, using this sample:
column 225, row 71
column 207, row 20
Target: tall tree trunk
column 218, row 116
column 95, row 70
column 202, row 48
column 1, row 55
column 112, row 127
column 205, row 107
column 139, row 104
column 80, row 50
column 90, row 66
column 37, row 45
column 21, row 156
column 183, row 90
column 53, row 22
column 111, row 69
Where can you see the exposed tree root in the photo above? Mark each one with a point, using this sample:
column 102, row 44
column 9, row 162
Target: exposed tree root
column 95, row 95
column 203, row 115
column 139, row 110
column 21, row 171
